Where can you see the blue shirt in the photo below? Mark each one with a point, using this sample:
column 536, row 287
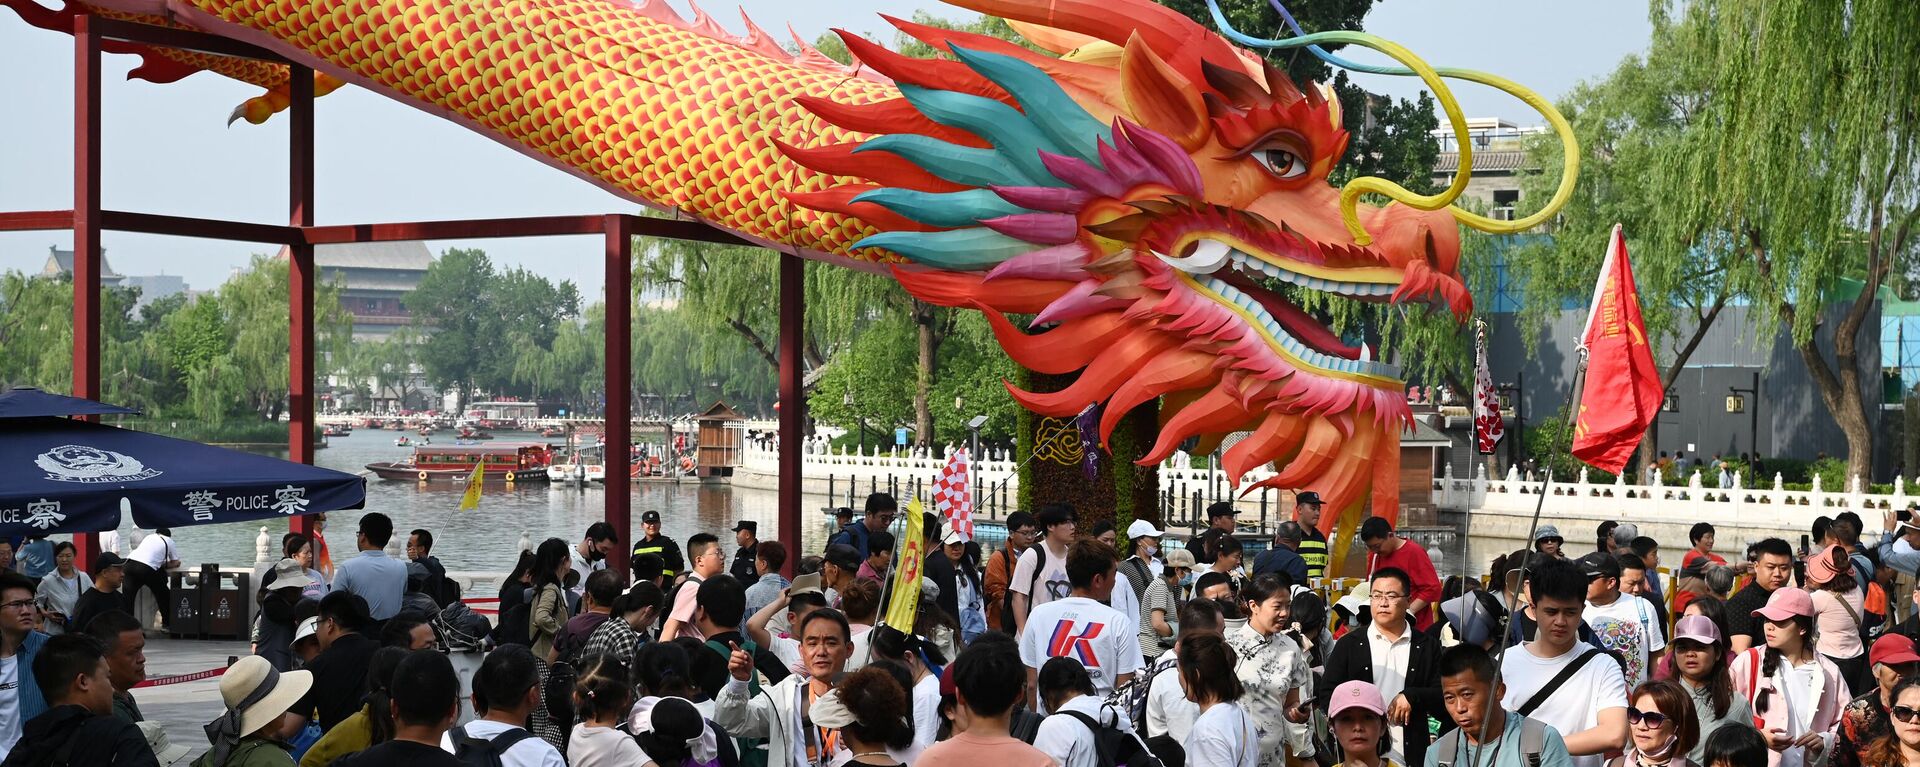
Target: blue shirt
column 377, row 578
column 36, row 559
column 1281, row 559
column 1553, row 751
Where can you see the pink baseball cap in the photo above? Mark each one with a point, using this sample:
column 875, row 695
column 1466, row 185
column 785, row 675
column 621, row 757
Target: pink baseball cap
column 1821, row 565
column 1356, row 694
column 1698, row 628
column 1786, row 603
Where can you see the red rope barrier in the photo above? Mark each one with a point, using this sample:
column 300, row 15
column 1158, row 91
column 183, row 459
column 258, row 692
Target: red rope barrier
column 182, row 678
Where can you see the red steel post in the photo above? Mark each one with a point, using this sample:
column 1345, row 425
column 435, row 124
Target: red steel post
column 300, row 276
column 619, row 411
column 86, row 233
column 793, row 405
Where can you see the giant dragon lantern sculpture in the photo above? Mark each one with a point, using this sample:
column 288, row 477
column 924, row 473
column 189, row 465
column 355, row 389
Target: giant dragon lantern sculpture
column 1142, row 189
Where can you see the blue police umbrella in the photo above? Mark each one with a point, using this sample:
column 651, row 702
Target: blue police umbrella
column 59, row 475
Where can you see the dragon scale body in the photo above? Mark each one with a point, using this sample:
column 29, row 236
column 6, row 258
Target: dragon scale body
column 1154, row 195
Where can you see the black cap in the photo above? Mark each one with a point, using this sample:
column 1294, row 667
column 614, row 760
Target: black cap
column 843, row 511
column 1220, row 509
column 747, row 525
column 1308, row 496
column 105, row 560
column 843, row 556
column 1599, row 565
column 650, row 518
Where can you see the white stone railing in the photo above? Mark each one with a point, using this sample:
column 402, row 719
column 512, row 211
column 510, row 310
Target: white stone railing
column 1503, row 507
column 820, row 460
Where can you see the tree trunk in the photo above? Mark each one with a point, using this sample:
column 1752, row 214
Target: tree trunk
column 923, row 316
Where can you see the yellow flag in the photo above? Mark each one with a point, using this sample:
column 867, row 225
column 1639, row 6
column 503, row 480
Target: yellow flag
column 909, row 552
column 471, row 500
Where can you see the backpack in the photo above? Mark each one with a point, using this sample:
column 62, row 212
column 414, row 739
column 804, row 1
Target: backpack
column 1113, row 747
column 515, row 626
column 1006, row 599
column 481, row 752
column 1131, row 698
column 1533, row 740
column 750, row 752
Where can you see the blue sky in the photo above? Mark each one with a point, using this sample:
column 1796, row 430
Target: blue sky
column 168, row 150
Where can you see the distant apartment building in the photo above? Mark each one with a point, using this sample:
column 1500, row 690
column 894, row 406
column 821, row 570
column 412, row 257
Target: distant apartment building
column 374, row 280
column 154, row 287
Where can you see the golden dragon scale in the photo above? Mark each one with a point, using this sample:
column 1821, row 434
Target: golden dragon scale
column 1153, row 195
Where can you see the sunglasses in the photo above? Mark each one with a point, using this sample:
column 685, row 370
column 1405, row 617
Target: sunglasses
column 1905, row 714
column 1653, row 719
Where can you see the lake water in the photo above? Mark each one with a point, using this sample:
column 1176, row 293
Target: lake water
column 487, row 538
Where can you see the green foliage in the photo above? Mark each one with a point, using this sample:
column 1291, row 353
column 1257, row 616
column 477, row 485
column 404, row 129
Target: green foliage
column 478, row 320
column 874, row 370
column 216, row 358
column 1759, row 151
column 1548, row 443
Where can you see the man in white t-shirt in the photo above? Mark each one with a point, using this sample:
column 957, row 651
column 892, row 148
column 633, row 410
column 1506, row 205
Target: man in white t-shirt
column 1624, row 623
column 147, row 567
column 1589, row 706
column 1082, row 626
column 505, row 690
column 1041, row 574
column 591, row 553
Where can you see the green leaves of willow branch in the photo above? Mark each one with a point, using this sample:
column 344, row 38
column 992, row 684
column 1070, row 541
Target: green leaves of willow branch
column 216, row 357
column 1759, row 152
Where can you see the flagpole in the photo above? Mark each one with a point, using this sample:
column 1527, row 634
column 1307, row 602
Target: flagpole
column 1526, row 563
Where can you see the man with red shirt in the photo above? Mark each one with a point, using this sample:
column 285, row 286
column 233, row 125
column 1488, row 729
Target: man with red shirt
column 1389, row 550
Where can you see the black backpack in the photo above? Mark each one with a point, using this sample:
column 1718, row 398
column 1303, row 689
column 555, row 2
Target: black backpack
column 1111, row 746
column 515, row 626
column 481, row 752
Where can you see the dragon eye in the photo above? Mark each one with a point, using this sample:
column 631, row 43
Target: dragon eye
column 1282, row 163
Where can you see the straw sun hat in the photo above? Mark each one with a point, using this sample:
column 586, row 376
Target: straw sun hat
column 258, row 693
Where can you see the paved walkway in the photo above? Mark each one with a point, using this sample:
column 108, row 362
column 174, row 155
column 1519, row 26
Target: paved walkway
column 185, row 708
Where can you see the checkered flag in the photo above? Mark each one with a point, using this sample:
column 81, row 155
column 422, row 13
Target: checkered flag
column 953, row 493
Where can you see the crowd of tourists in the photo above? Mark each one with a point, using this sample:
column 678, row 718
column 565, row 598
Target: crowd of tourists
column 1068, row 647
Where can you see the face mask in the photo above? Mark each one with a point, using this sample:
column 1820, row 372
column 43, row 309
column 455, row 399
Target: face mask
column 1187, row 580
column 1149, row 549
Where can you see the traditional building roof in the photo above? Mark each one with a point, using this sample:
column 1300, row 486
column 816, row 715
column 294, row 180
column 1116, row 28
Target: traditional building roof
column 61, row 262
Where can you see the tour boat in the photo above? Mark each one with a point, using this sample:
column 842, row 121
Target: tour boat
column 511, row 461
column 553, row 431
column 402, row 442
column 575, row 472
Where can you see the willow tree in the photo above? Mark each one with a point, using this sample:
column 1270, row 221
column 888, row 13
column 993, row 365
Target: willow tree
column 1799, row 157
column 1639, row 130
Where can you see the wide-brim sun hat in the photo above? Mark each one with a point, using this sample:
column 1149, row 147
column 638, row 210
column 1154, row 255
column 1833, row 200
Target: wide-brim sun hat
column 1821, row 567
column 241, row 690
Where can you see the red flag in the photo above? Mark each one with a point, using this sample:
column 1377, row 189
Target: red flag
column 1623, row 391
column 1487, row 427
column 953, row 493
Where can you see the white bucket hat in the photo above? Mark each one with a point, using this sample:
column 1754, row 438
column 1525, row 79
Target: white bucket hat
column 163, row 750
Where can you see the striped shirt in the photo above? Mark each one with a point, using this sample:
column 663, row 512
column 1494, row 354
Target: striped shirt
column 1313, row 549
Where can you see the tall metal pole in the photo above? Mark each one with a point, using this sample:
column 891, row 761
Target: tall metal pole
column 86, row 232
column 793, row 406
column 617, row 456
column 300, row 275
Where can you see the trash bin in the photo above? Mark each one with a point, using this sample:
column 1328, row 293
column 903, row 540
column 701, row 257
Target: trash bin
column 225, row 599
column 186, row 611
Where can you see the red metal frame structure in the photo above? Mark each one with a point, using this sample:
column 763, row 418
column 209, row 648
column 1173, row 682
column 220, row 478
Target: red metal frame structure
column 300, row 235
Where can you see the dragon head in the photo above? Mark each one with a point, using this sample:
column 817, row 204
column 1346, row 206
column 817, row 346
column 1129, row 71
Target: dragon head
column 1157, row 198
